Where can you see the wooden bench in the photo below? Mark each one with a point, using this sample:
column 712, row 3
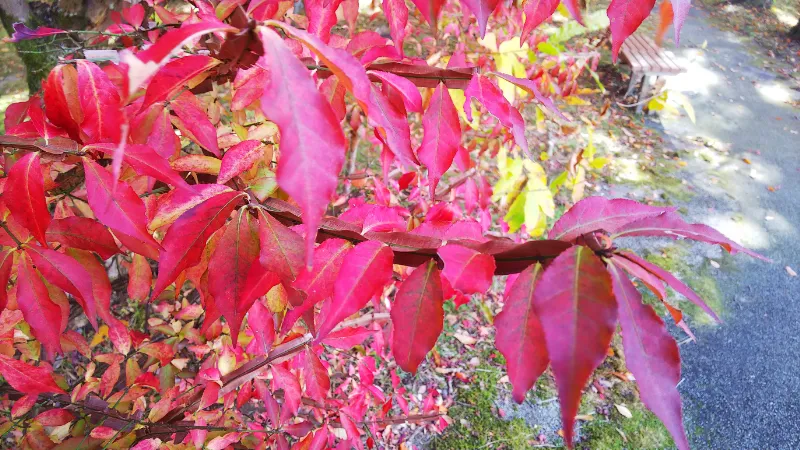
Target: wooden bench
column 647, row 60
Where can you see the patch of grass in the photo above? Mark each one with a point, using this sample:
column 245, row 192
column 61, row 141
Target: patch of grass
column 643, row 431
column 700, row 279
column 477, row 424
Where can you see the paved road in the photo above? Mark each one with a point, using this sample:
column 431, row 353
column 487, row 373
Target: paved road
column 741, row 384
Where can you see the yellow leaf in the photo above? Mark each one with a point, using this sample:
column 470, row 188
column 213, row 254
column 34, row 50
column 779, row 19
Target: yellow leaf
column 98, row 338
column 458, row 97
column 197, row 163
column 277, row 298
column 241, row 132
column 541, row 126
column 576, row 101
column 598, row 163
column 515, row 216
column 507, row 60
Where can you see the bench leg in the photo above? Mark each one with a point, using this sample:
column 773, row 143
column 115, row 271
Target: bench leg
column 635, row 79
column 643, row 94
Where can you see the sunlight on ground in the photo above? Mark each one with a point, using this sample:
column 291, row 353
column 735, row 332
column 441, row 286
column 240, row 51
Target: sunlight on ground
column 628, row 170
column 775, row 92
column 732, row 8
column 697, row 78
column 784, row 17
column 745, row 231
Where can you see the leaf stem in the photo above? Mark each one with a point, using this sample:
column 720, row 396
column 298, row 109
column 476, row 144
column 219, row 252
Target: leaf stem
column 13, row 237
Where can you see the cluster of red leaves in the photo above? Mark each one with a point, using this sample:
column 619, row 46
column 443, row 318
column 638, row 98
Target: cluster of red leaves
column 96, row 169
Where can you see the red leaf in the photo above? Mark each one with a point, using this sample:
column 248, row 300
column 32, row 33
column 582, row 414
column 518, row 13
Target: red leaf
column 103, row 432
column 347, row 338
column 183, row 245
column 600, row 213
column 417, row 316
column 55, row 417
column 490, row 96
column 292, row 394
column 364, row 272
column 122, row 210
column 145, row 161
column 282, row 250
column 249, row 84
column 655, row 284
column 236, row 251
column 536, row 12
column 23, row 405
column 140, row 278
column 578, row 313
column 22, row 32
column 162, row 137
column 672, row 282
column 192, row 120
column 671, row 225
column 261, row 323
column 625, row 17
column 101, row 291
column 381, row 113
column 175, row 76
column 134, row 14
column 430, row 10
column 239, row 158
column 321, row 17
column 41, row 313
column 651, row 354
column 24, row 196
column 63, row 272
column 467, row 270
column 318, row 282
column 442, row 136
column 258, row 283
column 28, row 379
column 17, row 112
column 574, row 9
column 312, row 150
column 409, row 92
column 530, row 86
column 520, row 337
column 83, row 233
column 482, row 9
column 147, row 62
column 61, row 100
column 396, row 13
column 6, row 264
column 316, row 376
column 176, row 202
column 681, row 10
column 100, row 104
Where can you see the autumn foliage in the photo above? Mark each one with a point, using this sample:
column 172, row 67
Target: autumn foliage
column 207, row 163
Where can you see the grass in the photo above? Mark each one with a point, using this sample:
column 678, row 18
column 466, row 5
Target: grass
column 477, row 423
column 642, row 431
column 700, row 278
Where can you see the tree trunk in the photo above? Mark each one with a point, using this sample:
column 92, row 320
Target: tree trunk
column 40, row 55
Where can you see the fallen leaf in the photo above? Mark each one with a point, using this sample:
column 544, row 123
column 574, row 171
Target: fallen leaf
column 791, row 272
column 624, row 410
column 746, row 161
column 465, row 339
